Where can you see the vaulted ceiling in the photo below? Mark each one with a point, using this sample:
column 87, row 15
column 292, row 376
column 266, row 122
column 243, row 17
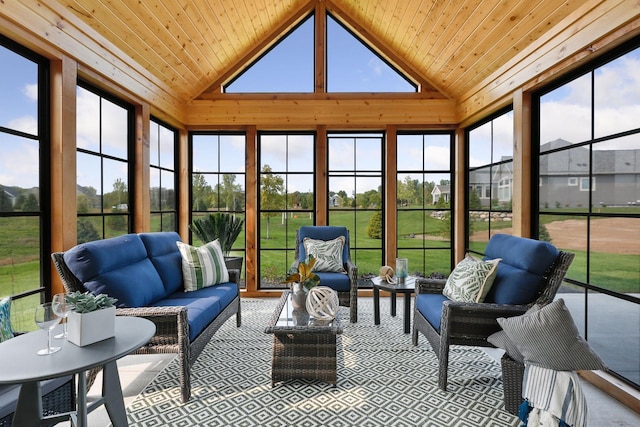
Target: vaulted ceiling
column 457, row 50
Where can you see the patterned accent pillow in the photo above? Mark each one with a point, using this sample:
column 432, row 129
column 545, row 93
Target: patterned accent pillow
column 328, row 254
column 203, row 266
column 471, row 280
column 5, row 319
column 549, row 338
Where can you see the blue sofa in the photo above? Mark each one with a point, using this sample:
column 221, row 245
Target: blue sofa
column 144, row 272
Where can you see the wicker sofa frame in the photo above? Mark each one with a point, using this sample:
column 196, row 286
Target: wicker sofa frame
column 60, row 400
column 172, row 327
column 471, row 324
column 347, row 299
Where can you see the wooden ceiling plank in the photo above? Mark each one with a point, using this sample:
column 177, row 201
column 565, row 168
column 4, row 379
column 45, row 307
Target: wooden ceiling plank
column 55, row 25
column 411, row 35
column 581, row 29
column 403, row 25
column 423, row 41
column 513, row 40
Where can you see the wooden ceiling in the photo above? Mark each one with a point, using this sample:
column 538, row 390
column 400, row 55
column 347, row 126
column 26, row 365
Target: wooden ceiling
column 453, row 45
column 468, row 56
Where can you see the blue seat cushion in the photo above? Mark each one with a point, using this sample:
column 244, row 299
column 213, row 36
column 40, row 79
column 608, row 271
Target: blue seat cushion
column 323, row 232
column 203, row 305
column 118, row 267
column 521, row 272
column 165, row 256
column 430, row 306
column 339, row 282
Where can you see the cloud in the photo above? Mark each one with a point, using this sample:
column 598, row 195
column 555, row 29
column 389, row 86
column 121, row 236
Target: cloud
column 26, row 124
column 31, row 91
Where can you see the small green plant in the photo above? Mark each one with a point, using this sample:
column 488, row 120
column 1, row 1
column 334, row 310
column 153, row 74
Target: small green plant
column 304, row 274
column 87, row 302
column 218, row 225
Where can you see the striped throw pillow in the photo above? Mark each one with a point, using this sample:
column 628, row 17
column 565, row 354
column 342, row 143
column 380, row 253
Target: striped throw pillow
column 202, row 266
column 549, row 338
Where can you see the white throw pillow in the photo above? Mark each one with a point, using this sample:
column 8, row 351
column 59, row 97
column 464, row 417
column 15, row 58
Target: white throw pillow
column 328, row 254
column 202, row 266
column 471, row 280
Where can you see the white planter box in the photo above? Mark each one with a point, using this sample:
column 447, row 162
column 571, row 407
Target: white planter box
column 88, row 328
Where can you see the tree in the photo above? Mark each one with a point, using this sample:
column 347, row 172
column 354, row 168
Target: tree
column 30, row 203
column 86, row 231
column 271, row 194
column 5, row 201
column 374, row 229
column 201, row 192
column 228, row 190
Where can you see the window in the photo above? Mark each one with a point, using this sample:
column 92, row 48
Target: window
column 286, row 200
column 490, row 171
column 218, row 178
column 424, row 201
column 104, row 143
column 24, row 206
column 162, row 148
column 355, row 174
column 589, row 134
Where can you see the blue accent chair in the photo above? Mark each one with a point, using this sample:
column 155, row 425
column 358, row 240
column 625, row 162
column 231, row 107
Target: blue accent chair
column 530, row 272
column 345, row 284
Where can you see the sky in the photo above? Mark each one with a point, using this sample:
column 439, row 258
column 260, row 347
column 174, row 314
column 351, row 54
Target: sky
column 563, row 115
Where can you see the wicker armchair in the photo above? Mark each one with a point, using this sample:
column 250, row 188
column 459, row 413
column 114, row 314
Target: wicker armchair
column 346, row 285
column 172, row 328
column 470, row 324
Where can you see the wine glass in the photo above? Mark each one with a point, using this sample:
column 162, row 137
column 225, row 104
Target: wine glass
column 61, row 308
column 46, row 318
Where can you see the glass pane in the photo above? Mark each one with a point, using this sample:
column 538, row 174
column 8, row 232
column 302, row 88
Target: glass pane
column 273, row 268
column 169, row 222
column 613, row 330
column 205, row 153
column 156, row 222
column 289, row 65
column 368, row 154
column 354, row 67
column 202, row 186
column 341, row 154
column 616, row 100
column 368, row 261
column 560, row 179
column 88, row 120
column 416, row 260
column 19, row 163
column 480, row 152
column 569, row 234
column 22, row 312
column 167, row 148
column 273, row 152
column 410, row 153
column 565, row 114
column 115, row 130
column 116, row 225
column 480, row 188
column 615, row 254
column 503, row 137
column 437, row 152
column 616, row 164
column 116, row 187
column 478, row 230
column 167, row 194
column 88, row 169
column 154, row 145
column 19, row 89
column 89, row 229
column 232, row 157
column 154, row 184
column 19, row 255
column 301, row 153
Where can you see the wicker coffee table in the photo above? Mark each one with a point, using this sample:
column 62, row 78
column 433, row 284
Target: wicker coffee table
column 302, row 347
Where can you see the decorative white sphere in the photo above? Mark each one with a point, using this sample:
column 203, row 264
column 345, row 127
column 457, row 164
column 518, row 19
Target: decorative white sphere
column 322, row 303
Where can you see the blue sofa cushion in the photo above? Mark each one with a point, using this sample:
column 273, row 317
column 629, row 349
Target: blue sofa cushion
column 339, row 282
column 322, row 233
column 118, row 267
column 430, row 306
column 165, row 256
column 521, row 271
column 203, row 305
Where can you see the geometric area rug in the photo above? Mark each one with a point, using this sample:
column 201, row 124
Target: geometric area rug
column 383, row 380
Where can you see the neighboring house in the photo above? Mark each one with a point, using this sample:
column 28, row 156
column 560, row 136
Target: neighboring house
column 335, row 201
column 441, row 191
column 564, row 178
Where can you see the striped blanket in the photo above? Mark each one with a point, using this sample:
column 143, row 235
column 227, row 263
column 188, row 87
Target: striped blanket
column 555, row 396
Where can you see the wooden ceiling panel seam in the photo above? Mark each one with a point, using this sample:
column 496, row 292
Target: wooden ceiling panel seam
column 507, row 43
column 545, row 46
column 135, row 56
column 404, row 25
column 497, row 22
column 416, row 50
column 409, row 39
column 587, row 29
column 444, row 30
column 59, row 28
